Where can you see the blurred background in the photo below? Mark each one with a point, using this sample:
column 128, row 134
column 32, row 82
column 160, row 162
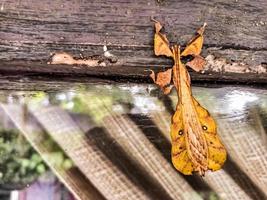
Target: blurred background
column 111, row 141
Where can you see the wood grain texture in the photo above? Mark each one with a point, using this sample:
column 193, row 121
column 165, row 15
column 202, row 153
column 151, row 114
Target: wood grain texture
column 92, row 162
column 134, row 142
column 121, row 73
column 31, row 30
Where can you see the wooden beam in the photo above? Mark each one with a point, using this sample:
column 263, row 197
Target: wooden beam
column 31, row 31
column 113, row 73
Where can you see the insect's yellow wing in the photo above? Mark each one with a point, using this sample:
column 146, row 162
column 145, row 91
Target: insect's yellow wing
column 163, row 80
column 180, row 157
column 161, row 43
column 216, row 150
column 194, row 46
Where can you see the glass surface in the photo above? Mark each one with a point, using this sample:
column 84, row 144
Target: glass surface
column 111, row 141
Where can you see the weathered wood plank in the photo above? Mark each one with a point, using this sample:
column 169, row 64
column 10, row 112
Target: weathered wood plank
column 30, row 31
column 121, row 73
column 123, row 22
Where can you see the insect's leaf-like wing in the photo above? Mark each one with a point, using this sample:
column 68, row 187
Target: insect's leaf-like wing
column 194, row 46
column 197, row 63
column 161, row 43
column 163, row 80
column 180, row 158
column 216, row 150
column 167, row 89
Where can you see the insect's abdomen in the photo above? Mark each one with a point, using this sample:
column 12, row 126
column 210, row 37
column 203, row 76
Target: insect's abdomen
column 216, row 150
column 180, row 158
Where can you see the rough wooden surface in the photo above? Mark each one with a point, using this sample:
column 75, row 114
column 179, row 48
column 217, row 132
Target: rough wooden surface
column 32, row 30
